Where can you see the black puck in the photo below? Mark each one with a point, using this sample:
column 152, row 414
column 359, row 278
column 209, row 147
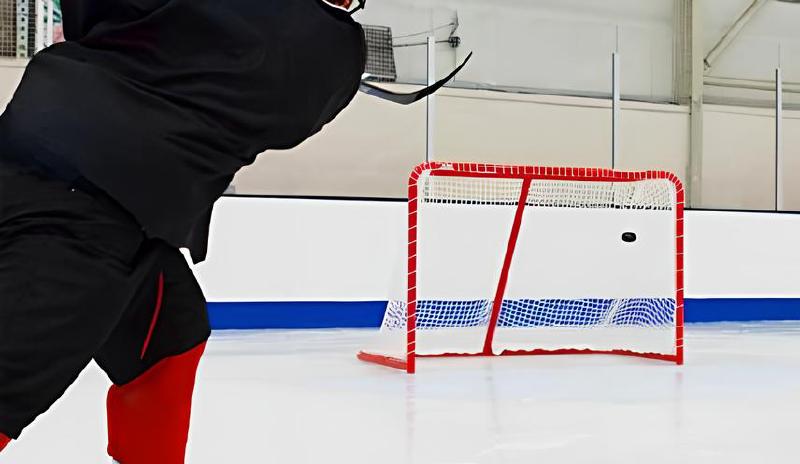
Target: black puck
column 629, row 237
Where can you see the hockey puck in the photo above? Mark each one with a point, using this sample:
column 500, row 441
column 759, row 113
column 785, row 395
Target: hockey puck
column 629, row 237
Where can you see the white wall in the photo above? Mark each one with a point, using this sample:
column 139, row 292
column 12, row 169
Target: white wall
column 564, row 45
column 739, row 157
column 370, row 149
column 312, row 250
column 547, row 44
column 772, row 32
column 754, row 53
column 11, row 71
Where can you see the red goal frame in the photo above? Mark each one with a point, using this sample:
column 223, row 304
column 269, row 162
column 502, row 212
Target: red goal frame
column 527, row 174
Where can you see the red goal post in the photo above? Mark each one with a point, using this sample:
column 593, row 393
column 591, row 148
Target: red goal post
column 531, row 253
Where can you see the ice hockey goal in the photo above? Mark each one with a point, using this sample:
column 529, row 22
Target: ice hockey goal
column 509, row 260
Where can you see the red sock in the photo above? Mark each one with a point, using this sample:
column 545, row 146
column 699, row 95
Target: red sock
column 148, row 419
column 4, row 441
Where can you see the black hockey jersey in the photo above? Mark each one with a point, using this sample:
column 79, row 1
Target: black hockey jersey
column 160, row 102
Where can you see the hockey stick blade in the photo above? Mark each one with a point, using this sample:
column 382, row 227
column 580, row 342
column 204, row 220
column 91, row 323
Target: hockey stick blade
column 413, row 97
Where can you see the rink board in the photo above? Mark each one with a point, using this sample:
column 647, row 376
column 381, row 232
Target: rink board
column 369, row 314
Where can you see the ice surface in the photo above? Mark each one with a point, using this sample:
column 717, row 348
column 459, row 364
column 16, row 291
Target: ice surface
column 302, row 397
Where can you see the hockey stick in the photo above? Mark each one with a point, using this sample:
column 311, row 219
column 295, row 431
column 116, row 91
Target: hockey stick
column 413, row 97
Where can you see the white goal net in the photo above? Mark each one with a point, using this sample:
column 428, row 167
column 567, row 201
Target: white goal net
column 512, row 260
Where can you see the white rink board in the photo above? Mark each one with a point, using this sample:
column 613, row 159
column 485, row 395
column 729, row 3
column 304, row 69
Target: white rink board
column 264, row 249
column 461, row 250
column 576, row 253
column 568, row 253
column 309, row 250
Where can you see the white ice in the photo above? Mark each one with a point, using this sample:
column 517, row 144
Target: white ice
column 302, row 397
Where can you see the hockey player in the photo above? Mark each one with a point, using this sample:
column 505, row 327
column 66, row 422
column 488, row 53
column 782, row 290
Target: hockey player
column 114, row 148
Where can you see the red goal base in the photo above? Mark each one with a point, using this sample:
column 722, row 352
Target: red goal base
column 402, row 364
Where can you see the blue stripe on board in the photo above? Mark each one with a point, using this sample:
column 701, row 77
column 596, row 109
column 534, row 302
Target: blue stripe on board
column 344, row 314
column 296, row 315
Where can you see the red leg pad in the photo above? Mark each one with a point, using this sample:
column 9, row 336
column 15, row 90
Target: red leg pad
column 148, row 419
column 4, row 441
